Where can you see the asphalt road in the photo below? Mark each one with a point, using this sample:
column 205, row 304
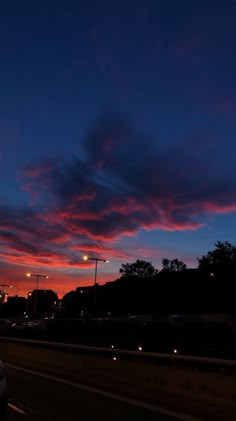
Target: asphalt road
column 48, row 400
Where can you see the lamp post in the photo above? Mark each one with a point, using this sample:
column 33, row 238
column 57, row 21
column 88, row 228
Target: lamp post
column 96, row 259
column 5, row 286
column 36, row 289
column 27, row 304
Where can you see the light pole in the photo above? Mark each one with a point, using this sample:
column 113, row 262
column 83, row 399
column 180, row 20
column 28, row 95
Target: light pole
column 36, row 289
column 96, row 259
column 27, row 304
column 5, row 286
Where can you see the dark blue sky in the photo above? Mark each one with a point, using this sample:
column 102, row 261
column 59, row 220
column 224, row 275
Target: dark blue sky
column 117, row 125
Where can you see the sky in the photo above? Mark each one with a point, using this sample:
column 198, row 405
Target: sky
column 117, row 135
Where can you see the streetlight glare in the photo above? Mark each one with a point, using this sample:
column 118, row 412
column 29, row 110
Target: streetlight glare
column 106, row 261
column 28, row 274
column 85, row 257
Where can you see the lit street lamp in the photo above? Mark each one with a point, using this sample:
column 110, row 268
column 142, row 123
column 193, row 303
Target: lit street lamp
column 5, row 286
column 36, row 289
column 37, row 278
column 96, row 259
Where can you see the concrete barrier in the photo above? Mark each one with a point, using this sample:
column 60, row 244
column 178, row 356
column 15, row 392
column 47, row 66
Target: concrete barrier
column 203, row 387
column 177, row 359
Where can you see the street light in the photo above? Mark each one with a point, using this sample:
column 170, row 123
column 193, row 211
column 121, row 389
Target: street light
column 37, row 277
column 36, row 289
column 96, row 259
column 2, row 286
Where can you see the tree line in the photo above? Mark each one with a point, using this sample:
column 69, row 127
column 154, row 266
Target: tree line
column 142, row 289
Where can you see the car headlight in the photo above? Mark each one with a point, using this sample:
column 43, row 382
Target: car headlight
column 2, row 371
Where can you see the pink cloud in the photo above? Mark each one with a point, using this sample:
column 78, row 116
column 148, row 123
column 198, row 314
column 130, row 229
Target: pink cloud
column 81, row 209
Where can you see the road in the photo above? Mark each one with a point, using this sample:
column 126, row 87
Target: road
column 49, row 400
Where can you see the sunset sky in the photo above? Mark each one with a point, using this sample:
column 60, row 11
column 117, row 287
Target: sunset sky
column 117, row 128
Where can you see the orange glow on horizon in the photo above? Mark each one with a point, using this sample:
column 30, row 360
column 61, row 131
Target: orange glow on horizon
column 61, row 284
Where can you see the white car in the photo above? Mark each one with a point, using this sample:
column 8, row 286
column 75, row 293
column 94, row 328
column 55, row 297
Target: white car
column 3, row 392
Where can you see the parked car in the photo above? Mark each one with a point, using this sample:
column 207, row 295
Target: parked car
column 3, row 392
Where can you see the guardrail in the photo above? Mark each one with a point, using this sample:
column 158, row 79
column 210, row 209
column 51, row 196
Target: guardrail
column 205, row 386
column 210, row 363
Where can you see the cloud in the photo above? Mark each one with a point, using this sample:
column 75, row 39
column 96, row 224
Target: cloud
column 38, row 170
column 124, row 183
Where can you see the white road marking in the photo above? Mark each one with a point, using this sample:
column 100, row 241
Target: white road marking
column 123, row 399
column 15, row 408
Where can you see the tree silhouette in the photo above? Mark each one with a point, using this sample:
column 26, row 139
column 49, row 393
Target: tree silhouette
column 219, row 261
column 174, row 265
column 140, row 269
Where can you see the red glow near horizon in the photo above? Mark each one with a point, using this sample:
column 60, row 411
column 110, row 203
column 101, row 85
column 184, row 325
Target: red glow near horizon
column 63, row 278
column 58, row 282
column 84, row 217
